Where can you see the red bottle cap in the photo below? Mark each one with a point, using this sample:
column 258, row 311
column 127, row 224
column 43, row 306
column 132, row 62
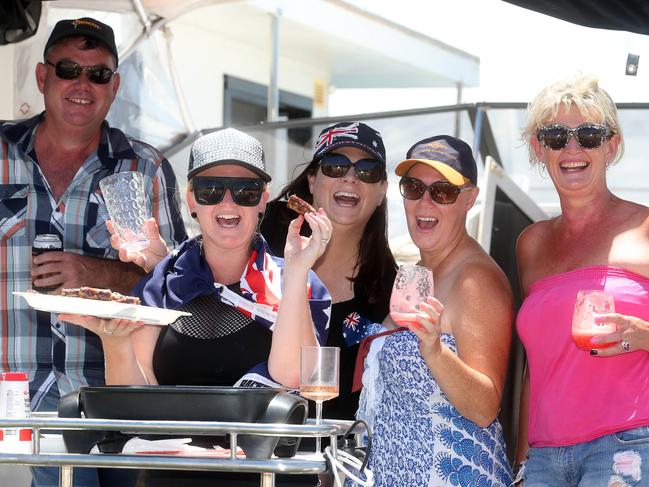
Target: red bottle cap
column 15, row 376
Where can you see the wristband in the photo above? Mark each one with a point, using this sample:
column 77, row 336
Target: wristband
column 518, row 472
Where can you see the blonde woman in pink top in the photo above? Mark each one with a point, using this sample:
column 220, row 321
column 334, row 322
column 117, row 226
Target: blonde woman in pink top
column 584, row 413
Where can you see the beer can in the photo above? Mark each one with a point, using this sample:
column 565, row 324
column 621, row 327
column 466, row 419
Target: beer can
column 46, row 242
column 14, row 403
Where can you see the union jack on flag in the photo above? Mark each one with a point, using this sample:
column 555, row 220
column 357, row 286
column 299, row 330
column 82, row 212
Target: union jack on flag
column 328, row 137
column 355, row 328
column 352, row 320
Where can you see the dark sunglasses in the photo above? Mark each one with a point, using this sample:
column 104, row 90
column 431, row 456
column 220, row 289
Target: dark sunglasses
column 441, row 192
column 588, row 135
column 367, row 170
column 211, row 190
column 70, row 70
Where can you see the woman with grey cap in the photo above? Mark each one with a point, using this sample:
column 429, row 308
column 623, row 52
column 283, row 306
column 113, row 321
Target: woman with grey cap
column 432, row 389
column 251, row 311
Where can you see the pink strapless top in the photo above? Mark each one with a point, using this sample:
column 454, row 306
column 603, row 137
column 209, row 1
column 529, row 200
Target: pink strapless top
column 575, row 397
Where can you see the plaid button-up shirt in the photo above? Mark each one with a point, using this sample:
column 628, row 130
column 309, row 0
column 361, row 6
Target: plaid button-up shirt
column 60, row 357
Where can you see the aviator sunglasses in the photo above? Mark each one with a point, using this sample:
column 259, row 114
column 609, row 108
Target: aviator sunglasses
column 588, row 135
column 211, row 190
column 70, row 70
column 441, row 192
column 367, row 170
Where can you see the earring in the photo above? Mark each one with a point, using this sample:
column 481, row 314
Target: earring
column 193, row 215
column 543, row 170
column 260, row 215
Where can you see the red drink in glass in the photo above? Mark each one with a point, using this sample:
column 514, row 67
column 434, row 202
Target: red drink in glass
column 407, row 320
column 589, row 304
column 583, row 340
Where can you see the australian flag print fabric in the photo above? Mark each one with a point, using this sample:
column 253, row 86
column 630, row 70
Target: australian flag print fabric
column 355, row 328
column 185, row 275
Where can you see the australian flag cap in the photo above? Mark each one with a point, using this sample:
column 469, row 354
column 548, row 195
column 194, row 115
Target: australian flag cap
column 350, row 134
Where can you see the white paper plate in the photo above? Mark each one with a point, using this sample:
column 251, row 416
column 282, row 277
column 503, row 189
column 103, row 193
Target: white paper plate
column 103, row 309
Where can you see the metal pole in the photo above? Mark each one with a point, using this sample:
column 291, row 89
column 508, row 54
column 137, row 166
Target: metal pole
column 36, row 444
column 65, row 476
column 173, row 71
column 141, row 13
column 458, row 113
column 267, row 480
column 477, row 136
column 273, row 87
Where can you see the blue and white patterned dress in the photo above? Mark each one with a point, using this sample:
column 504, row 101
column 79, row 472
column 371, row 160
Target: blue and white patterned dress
column 419, row 438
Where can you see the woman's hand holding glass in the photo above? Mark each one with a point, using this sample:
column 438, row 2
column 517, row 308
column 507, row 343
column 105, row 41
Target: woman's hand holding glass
column 305, row 251
column 146, row 258
column 429, row 326
column 631, row 334
column 412, row 285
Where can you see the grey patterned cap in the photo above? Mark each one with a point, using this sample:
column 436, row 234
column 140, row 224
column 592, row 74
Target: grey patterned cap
column 227, row 146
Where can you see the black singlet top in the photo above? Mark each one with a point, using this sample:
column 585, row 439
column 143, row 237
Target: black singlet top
column 214, row 347
column 346, row 404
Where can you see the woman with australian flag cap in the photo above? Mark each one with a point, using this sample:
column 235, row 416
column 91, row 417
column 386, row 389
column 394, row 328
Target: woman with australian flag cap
column 347, row 178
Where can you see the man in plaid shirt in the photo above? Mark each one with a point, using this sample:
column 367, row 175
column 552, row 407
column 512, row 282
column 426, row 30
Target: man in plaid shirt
column 50, row 168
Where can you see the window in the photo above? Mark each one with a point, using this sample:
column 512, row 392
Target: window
column 245, row 103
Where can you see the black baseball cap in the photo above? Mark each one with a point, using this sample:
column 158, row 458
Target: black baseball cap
column 449, row 155
column 350, row 134
column 84, row 27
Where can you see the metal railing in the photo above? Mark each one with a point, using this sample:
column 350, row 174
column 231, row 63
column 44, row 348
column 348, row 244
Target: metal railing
column 298, row 465
column 492, row 129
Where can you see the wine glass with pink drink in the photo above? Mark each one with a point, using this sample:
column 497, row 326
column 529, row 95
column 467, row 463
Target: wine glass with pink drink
column 588, row 305
column 413, row 284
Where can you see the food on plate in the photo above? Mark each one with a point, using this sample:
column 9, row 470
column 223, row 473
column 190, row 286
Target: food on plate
column 298, row 205
column 100, row 294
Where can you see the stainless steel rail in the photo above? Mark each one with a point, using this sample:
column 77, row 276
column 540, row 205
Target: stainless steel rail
column 267, row 468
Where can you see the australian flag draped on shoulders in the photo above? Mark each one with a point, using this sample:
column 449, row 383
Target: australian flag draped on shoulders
column 185, row 275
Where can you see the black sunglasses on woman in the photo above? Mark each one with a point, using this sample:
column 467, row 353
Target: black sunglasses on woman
column 336, row 165
column 441, row 192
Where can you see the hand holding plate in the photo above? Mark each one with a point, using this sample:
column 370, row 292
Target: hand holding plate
column 104, row 327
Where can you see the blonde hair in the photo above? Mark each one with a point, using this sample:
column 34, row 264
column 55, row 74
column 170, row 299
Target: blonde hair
column 585, row 93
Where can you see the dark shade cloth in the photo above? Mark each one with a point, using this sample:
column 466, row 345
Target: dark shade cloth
column 629, row 15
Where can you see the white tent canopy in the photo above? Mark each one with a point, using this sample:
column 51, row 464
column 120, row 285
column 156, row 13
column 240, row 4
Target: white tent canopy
column 175, row 54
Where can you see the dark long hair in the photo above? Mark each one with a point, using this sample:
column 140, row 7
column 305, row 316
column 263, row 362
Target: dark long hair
column 376, row 265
